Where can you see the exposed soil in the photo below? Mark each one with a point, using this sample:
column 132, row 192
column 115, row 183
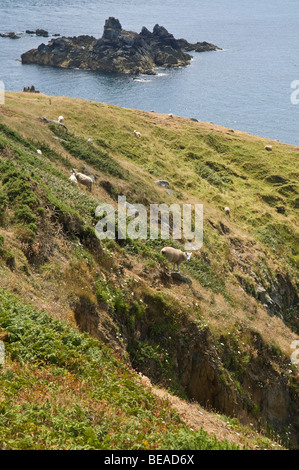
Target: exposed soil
column 196, row 417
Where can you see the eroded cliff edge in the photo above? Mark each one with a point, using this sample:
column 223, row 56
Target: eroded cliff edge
column 117, row 51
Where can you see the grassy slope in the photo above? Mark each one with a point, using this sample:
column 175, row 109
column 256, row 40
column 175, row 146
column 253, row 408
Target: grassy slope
column 50, row 260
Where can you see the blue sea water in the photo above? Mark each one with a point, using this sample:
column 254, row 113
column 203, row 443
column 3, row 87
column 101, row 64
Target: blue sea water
column 246, row 86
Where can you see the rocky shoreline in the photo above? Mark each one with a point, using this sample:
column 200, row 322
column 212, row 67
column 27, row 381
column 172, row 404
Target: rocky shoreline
column 118, row 51
column 36, row 32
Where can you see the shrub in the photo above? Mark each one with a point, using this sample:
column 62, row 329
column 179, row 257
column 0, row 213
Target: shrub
column 3, row 205
column 8, row 257
column 25, row 214
column 208, row 174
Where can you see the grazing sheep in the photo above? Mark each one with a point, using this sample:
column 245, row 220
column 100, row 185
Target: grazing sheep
column 137, row 134
column 83, row 179
column 39, row 151
column 60, row 119
column 268, row 147
column 175, row 256
column 73, row 178
column 227, row 211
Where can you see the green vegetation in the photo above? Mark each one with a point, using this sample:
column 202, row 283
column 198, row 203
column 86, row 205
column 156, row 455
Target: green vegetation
column 205, row 171
column 22, row 201
column 83, row 150
column 76, row 313
column 126, row 309
column 8, row 257
column 63, row 389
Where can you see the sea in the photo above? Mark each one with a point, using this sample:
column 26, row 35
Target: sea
column 252, row 84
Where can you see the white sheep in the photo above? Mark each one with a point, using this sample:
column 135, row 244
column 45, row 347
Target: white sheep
column 61, row 119
column 175, row 256
column 137, row 134
column 73, row 178
column 83, row 179
column 268, row 147
column 227, row 211
column 39, row 152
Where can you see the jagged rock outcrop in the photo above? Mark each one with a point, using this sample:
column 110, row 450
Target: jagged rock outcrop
column 30, row 89
column 117, row 51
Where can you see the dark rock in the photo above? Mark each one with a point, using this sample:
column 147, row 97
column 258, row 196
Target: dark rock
column 180, row 277
column 42, row 32
column 48, row 121
column 10, row 35
column 223, row 228
column 146, row 33
column 212, row 223
column 198, row 46
column 261, row 294
column 116, row 51
column 30, row 89
column 163, row 183
column 112, row 29
column 204, row 47
column 285, row 297
column 161, row 35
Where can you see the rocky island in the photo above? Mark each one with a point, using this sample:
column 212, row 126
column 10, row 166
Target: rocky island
column 117, row 51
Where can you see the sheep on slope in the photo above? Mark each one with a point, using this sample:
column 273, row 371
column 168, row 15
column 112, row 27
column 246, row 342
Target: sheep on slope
column 175, row 256
column 73, row 178
column 227, row 211
column 83, row 179
column 137, row 134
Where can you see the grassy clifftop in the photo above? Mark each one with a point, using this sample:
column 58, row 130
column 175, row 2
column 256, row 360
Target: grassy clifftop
column 90, row 314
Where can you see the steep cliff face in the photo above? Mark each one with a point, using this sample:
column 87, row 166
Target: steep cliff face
column 117, row 51
column 238, row 375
